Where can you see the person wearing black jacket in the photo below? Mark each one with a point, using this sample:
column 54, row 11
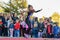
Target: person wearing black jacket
column 41, row 28
column 3, row 20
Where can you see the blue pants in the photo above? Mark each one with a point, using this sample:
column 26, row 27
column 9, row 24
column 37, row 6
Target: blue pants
column 35, row 35
column 16, row 33
column 55, row 36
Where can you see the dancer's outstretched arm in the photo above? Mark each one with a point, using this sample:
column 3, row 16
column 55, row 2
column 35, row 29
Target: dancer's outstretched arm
column 38, row 10
column 33, row 11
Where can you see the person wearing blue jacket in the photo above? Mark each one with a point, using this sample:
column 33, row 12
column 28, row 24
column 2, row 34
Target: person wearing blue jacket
column 35, row 30
column 55, row 30
column 11, row 29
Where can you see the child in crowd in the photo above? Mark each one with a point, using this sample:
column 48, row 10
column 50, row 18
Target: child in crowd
column 45, row 28
column 8, row 23
column 11, row 28
column 41, row 28
column 17, row 28
column 49, row 30
column 35, row 30
column 24, row 28
column 55, row 30
column 1, row 25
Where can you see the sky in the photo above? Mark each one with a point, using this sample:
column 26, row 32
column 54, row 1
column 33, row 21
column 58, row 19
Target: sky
column 6, row 1
column 48, row 6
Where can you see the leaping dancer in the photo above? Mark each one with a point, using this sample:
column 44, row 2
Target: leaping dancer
column 30, row 13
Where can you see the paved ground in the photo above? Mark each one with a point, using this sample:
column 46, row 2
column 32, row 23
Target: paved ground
column 7, row 38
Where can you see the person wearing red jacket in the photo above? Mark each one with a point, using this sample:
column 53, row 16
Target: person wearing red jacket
column 1, row 25
column 17, row 28
column 49, row 30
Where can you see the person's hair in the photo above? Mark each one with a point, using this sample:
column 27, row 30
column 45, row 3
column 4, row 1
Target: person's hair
column 48, row 20
column 50, row 17
column 56, row 23
column 45, row 18
column 41, row 19
column 29, row 6
column 17, row 19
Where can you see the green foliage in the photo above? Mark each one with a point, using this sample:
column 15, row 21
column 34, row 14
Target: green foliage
column 13, row 7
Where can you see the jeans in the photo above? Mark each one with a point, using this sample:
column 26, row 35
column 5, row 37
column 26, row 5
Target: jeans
column 35, row 35
column 16, row 33
column 11, row 32
column 55, row 36
column 40, row 34
column 0, row 32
